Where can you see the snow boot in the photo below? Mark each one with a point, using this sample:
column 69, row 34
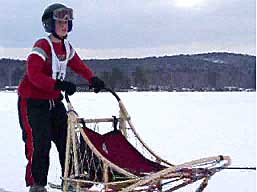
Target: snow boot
column 37, row 188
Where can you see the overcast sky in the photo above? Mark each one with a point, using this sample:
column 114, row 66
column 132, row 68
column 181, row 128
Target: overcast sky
column 135, row 28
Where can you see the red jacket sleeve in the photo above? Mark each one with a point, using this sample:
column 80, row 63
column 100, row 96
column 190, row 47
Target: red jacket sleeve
column 77, row 65
column 36, row 71
column 36, row 76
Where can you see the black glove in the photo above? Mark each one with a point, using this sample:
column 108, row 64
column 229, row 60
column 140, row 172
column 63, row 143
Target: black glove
column 96, row 83
column 68, row 87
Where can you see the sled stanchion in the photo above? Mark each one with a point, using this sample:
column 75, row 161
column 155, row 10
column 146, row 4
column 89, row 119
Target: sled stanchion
column 71, row 143
column 67, row 153
column 67, row 160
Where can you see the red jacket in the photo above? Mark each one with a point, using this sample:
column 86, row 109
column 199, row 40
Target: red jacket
column 38, row 82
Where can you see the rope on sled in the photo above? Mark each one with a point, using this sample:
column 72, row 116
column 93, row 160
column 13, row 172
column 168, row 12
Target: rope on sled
column 240, row 168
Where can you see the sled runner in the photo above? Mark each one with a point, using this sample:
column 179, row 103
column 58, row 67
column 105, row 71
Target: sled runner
column 119, row 160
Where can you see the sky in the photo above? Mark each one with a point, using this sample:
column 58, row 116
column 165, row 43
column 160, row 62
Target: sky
column 132, row 28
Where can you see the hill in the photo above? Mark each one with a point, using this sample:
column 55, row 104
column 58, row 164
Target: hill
column 208, row 71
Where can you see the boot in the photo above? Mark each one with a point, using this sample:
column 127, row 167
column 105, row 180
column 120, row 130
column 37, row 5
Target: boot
column 37, row 188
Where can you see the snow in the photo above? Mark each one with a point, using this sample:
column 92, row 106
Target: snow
column 180, row 127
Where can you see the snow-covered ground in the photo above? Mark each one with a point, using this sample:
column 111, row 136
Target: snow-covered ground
column 180, row 127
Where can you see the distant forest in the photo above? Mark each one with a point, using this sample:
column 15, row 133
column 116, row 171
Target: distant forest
column 198, row 72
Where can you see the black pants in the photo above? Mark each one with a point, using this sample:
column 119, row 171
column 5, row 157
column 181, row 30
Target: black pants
column 42, row 121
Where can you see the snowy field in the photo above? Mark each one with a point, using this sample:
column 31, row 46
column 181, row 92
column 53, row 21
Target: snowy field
column 180, row 127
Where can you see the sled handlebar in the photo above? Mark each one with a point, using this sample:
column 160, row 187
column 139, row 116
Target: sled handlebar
column 66, row 96
column 106, row 89
column 113, row 93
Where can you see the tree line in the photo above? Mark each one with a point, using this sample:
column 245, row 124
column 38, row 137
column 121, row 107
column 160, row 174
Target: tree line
column 209, row 71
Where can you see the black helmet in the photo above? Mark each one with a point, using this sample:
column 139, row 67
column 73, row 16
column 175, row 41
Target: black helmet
column 52, row 12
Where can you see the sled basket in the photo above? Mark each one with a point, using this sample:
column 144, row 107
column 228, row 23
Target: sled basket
column 119, row 160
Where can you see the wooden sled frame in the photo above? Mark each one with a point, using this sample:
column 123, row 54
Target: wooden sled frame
column 179, row 175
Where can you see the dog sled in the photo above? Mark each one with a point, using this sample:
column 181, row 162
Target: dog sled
column 119, row 160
